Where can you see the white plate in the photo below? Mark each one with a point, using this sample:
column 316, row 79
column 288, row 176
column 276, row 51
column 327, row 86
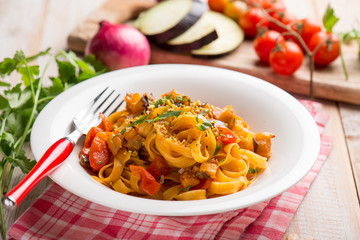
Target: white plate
column 262, row 105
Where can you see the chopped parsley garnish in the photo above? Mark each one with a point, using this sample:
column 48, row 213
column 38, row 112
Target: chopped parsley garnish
column 217, row 150
column 205, row 125
column 187, row 188
column 180, row 99
column 253, row 170
column 161, row 101
column 220, row 161
column 204, row 112
column 206, row 175
column 140, row 120
column 165, row 115
column 158, row 102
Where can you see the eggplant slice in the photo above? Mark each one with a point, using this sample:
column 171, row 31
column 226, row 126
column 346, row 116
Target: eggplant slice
column 230, row 36
column 200, row 34
column 169, row 19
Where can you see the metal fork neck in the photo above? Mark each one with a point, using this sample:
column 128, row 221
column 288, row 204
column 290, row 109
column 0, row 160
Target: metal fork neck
column 74, row 136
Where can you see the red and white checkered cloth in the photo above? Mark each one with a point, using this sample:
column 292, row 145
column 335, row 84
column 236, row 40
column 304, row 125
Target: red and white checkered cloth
column 59, row 214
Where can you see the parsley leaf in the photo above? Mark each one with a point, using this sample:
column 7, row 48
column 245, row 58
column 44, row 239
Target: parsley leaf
column 165, row 115
column 253, row 170
column 140, row 120
column 204, row 112
column 217, row 150
column 205, row 125
column 187, row 188
column 161, row 101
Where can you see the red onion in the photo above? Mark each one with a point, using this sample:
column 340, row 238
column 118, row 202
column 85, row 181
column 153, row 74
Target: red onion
column 119, row 46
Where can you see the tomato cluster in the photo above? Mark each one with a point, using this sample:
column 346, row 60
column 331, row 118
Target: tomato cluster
column 274, row 44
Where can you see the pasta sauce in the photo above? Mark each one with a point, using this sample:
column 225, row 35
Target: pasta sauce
column 174, row 148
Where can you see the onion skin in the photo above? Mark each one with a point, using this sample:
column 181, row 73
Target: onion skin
column 119, row 46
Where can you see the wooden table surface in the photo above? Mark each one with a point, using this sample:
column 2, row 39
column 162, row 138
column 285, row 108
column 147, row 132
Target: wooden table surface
column 330, row 209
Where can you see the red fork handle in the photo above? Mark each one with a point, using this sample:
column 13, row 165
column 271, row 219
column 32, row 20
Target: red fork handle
column 52, row 158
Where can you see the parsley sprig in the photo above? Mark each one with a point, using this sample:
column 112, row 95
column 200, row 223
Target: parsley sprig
column 20, row 104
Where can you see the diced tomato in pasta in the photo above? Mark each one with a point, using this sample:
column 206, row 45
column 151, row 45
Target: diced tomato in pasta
column 105, row 123
column 204, row 184
column 91, row 135
column 226, row 135
column 159, row 167
column 148, row 184
column 99, row 153
column 88, row 140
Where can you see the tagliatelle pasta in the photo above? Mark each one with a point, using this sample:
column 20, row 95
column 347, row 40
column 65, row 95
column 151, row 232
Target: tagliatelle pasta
column 173, row 148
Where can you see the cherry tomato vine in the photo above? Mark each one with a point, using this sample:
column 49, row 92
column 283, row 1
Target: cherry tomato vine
column 275, row 28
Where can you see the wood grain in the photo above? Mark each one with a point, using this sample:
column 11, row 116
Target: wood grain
column 330, row 208
column 350, row 116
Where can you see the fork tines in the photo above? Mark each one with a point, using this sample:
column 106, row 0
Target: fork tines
column 106, row 102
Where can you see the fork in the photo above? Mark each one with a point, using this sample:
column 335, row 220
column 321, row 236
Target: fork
column 88, row 117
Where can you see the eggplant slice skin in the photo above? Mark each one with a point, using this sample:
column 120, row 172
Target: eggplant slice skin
column 230, row 36
column 200, row 34
column 151, row 18
column 188, row 47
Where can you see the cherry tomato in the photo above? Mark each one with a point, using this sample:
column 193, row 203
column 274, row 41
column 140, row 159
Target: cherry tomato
column 329, row 49
column 306, row 27
column 235, row 9
column 251, row 20
column 285, row 17
column 218, row 5
column 226, row 135
column 286, row 58
column 265, row 42
column 148, row 183
column 273, row 6
column 252, row 2
column 99, row 153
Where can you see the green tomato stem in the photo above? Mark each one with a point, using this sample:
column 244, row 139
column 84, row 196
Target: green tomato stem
column 3, row 224
column 343, row 60
column 8, row 179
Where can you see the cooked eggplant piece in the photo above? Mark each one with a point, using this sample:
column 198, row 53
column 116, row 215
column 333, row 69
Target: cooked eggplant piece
column 230, row 36
column 169, row 19
column 200, row 34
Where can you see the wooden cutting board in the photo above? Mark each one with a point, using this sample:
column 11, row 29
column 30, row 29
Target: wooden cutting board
column 328, row 83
